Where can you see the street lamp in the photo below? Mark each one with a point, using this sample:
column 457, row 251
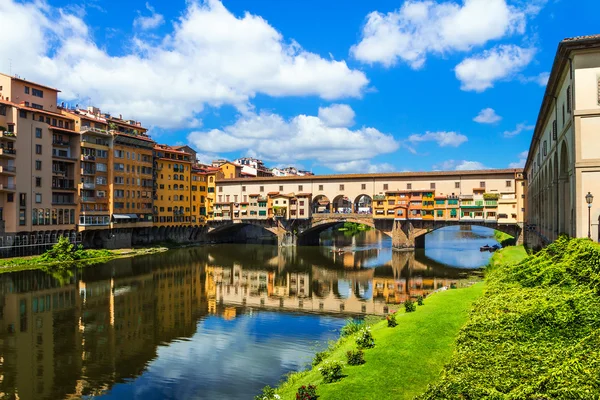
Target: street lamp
column 589, row 198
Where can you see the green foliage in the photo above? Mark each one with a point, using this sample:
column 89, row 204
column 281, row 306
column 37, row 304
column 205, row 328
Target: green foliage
column 268, row 393
column 307, row 393
column 319, row 357
column 391, row 320
column 535, row 334
column 62, row 251
column 504, row 239
column 410, row 306
column 355, row 357
column 331, row 371
column 420, row 300
column 352, row 326
column 364, row 339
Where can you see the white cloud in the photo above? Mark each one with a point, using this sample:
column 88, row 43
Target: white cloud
column 487, row 116
column 303, row 137
column 463, row 165
column 153, row 21
column 522, row 127
column 479, row 72
column 443, row 139
column 420, row 28
column 209, row 58
column 337, row 115
column 541, row 79
column 522, row 160
column 361, row 166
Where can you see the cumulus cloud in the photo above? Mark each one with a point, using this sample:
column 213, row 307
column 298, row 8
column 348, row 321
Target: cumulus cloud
column 487, row 116
column 337, row 115
column 361, row 166
column 522, row 127
column 443, row 139
column 209, row 58
column 423, row 27
column 522, row 160
column 480, row 72
column 304, row 137
column 150, row 22
column 541, row 79
column 463, row 165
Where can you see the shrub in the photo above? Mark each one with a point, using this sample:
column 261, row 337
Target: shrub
column 420, row 300
column 391, row 320
column 331, row 371
column 319, row 357
column 364, row 339
column 268, row 393
column 410, row 306
column 307, row 393
column 355, row 357
column 352, row 326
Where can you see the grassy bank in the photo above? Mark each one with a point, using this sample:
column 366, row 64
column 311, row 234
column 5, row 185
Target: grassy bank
column 535, row 333
column 59, row 257
column 405, row 358
column 504, row 238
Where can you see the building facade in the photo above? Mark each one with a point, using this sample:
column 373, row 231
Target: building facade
column 172, row 196
column 563, row 164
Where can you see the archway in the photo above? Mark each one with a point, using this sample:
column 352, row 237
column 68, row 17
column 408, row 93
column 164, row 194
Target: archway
column 341, row 205
column 321, row 205
column 363, row 204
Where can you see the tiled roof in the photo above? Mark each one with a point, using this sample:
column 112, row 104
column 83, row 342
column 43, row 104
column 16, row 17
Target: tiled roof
column 582, row 38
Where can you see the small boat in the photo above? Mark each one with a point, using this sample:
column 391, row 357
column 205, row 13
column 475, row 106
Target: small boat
column 485, row 248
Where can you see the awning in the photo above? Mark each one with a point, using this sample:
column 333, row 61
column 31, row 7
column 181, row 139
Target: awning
column 125, row 216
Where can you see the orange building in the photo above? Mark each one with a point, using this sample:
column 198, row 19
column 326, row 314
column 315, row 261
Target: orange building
column 172, row 195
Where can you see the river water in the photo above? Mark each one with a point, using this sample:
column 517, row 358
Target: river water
column 214, row 322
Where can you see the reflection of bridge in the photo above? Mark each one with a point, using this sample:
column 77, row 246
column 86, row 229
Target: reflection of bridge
column 406, row 233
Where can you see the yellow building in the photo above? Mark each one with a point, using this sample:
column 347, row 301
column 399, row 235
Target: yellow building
column 212, row 175
column 198, row 194
column 231, row 170
column 172, row 198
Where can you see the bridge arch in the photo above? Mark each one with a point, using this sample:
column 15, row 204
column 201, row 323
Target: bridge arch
column 321, row 204
column 420, row 232
column 228, row 231
column 341, row 205
column 363, row 204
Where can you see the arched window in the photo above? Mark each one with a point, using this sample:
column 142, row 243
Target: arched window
column 180, row 187
column 211, row 179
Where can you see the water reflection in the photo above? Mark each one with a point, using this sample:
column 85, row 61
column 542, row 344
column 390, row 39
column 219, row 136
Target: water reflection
column 458, row 246
column 190, row 323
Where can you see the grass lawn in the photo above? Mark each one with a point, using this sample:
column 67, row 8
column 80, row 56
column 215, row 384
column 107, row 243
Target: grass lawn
column 508, row 255
column 405, row 359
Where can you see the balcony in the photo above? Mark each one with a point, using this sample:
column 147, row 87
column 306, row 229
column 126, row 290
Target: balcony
column 8, row 135
column 85, row 171
column 85, row 157
column 8, row 153
column 63, row 184
column 58, row 142
column 85, row 129
column 89, row 186
column 7, row 170
column 88, row 199
column 7, row 187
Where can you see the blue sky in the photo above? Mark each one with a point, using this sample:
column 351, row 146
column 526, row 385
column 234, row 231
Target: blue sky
column 336, row 86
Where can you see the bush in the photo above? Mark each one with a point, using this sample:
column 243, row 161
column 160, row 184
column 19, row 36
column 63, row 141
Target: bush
column 410, row 306
column 364, row 339
column 61, row 251
column 355, row 357
column 420, row 300
column 268, row 393
column 331, row 371
column 307, row 393
column 391, row 320
column 319, row 357
column 352, row 326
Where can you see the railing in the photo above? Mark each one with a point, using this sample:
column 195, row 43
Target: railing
column 8, row 169
column 88, row 172
column 88, row 157
column 88, row 198
column 61, row 142
column 7, row 135
column 92, row 129
column 89, row 186
column 8, row 151
column 8, row 187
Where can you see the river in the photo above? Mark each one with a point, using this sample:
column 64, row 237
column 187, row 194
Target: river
column 214, row 322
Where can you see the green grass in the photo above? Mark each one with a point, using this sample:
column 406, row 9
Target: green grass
column 504, row 238
column 508, row 255
column 405, row 358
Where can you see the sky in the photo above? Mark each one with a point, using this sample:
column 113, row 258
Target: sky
column 328, row 86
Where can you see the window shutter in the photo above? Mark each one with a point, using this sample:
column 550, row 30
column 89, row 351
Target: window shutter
column 569, row 100
column 554, row 130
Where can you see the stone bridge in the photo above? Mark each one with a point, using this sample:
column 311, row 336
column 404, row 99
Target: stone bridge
column 406, row 234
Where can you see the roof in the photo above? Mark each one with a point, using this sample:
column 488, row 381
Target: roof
column 388, row 175
column 140, row 137
column 561, row 60
column 304, row 195
column 30, row 82
column 37, row 110
column 273, row 193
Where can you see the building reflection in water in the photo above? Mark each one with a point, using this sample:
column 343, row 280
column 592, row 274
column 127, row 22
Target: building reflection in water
column 103, row 325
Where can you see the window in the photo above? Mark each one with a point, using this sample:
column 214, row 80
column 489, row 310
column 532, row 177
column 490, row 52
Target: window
column 320, row 187
column 118, row 153
column 482, row 184
column 221, row 189
column 117, row 166
column 38, row 149
column 101, row 167
column 38, row 198
column 38, row 181
column 280, row 188
column 37, row 93
column 545, row 148
column 2, row 109
column 432, row 186
column 37, row 106
column 10, row 197
column 22, row 218
column 508, row 183
column 261, row 189
column 38, row 165
column 385, row 186
column 569, row 107
column 300, row 188
column 22, row 113
column 563, row 115
column 243, row 188
column 363, row 186
column 341, row 187
column 38, row 133
column 26, row 89
column 456, row 185
column 409, row 186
